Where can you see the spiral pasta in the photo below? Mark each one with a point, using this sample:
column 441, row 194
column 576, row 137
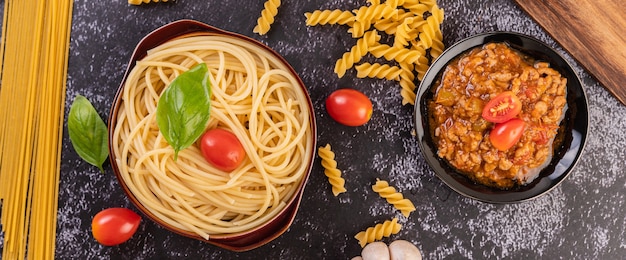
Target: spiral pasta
column 330, row 169
column 322, row 17
column 407, row 83
column 377, row 70
column 377, row 232
column 404, row 33
column 416, row 39
column 428, row 3
column 397, row 54
column 431, row 36
column 365, row 16
column 416, row 7
column 421, row 65
column 393, row 197
column 394, row 3
column 138, row 2
column 266, row 20
column 356, row 53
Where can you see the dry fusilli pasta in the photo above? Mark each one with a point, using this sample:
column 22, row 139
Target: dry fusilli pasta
column 356, row 53
column 138, row 2
column 421, row 65
column 397, row 54
column 323, row 17
column 330, row 169
column 266, row 20
column 393, row 197
column 407, row 83
column 377, row 232
column 366, row 15
column 416, row 39
column 431, row 36
column 377, row 70
column 404, row 33
column 417, row 8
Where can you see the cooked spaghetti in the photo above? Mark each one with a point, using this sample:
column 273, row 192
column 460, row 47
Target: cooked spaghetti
column 256, row 97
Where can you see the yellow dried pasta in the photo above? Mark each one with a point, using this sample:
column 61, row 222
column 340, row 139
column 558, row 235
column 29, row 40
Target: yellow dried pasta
column 416, row 7
column 377, row 232
column 397, row 54
column 138, row 2
column 407, row 83
column 330, row 169
column 323, row 17
column 356, row 53
column 393, row 197
column 365, row 16
column 421, row 65
column 377, row 70
column 404, row 33
column 416, row 39
column 394, row 3
column 431, row 36
column 266, row 19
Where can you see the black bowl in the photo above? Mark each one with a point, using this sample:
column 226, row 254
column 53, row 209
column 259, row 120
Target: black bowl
column 572, row 132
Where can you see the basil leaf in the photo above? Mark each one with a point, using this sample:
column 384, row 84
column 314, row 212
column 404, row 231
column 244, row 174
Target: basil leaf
column 184, row 108
column 88, row 132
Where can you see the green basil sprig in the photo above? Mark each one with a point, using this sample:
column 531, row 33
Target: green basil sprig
column 184, row 108
column 88, row 132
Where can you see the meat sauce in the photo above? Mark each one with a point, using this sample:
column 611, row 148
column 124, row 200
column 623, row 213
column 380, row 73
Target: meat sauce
column 462, row 135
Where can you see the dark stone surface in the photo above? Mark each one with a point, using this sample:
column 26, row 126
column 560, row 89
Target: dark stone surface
column 583, row 218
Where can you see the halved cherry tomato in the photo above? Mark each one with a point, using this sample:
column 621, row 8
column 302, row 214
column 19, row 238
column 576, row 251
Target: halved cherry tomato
column 349, row 107
column 504, row 135
column 502, row 107
column 114, row 226
column 222, row 149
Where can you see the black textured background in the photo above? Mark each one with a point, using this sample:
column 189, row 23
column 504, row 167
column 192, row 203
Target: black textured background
column 583, row 218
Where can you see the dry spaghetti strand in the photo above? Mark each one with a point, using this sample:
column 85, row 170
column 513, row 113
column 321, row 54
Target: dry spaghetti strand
column 34, row 51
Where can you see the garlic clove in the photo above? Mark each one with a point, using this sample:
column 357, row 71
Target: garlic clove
column 375, row 251
column 404, row 250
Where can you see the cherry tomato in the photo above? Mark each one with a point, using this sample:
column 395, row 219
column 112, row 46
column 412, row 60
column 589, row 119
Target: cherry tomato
column 222, row 149
column 502, row 107
column 504, row 135
column 349, row 107
column 114, row 226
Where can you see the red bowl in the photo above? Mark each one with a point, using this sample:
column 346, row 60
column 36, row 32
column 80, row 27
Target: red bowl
column 241, row 241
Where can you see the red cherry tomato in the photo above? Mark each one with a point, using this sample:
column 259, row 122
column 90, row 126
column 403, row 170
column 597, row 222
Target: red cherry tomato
column 349, row 107
column 502, row 107
column 114, row 226
column 222, row 149
column 504, row 135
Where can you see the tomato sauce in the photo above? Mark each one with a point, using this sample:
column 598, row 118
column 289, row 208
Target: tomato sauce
column 462, row 134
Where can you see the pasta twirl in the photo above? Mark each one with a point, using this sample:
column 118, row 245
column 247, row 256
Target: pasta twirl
column 330, row 170
column 356, row 53
column 397, row 54
column 377, row 232
column 377, row 70
column 138, row 2
column 414, row 27
column 407, row 82
column 323, row 17
column 365, row 16
column 393, row 197
column 266, row 20
column 256, row 97
column 431, row 36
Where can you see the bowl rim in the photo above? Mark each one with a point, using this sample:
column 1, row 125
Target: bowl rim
column 575, row 123
column 239, row 241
